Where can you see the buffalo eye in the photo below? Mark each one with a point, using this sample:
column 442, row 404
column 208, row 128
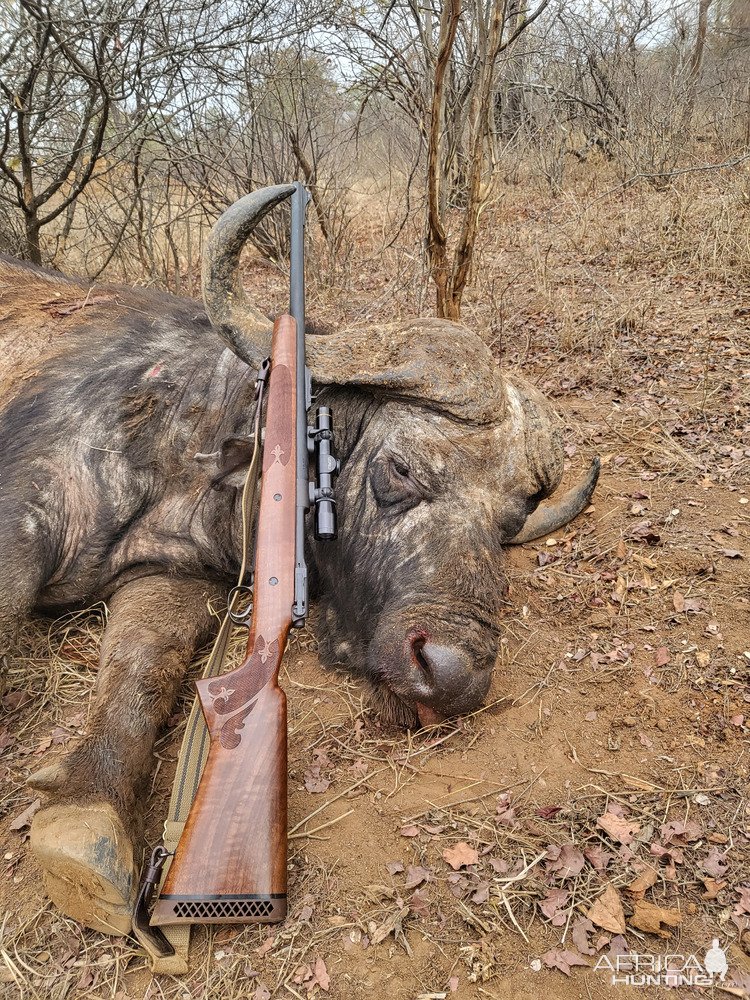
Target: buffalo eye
column 393, row 485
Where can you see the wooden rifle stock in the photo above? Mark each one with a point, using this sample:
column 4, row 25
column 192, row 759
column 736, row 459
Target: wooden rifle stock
column 230, row 863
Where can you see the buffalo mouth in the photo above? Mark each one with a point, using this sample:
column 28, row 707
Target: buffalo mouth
column 393, row 710
column 428, row 716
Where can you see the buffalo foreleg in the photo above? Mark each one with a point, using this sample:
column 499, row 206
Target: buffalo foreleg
column 24, row 568
column 84, row 838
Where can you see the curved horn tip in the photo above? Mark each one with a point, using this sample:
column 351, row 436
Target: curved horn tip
column 242, row 327
column 252, row 207
column 588, row 483
column 545, row 520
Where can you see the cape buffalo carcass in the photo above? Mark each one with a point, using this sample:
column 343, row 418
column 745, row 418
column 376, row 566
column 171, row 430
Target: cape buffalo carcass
column 125, row 429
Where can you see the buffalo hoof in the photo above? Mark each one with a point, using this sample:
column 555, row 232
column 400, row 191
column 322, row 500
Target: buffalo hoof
column 87, row 860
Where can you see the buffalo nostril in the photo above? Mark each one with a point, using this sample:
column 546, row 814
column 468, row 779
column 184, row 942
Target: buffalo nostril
column 418, row 643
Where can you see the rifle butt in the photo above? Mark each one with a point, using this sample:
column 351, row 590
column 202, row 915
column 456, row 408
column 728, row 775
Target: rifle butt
column 230, row 863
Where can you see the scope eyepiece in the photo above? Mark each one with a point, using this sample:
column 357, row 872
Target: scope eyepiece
column 320, row 438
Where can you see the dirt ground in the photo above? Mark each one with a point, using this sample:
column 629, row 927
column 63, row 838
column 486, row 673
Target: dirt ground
column 609, row 768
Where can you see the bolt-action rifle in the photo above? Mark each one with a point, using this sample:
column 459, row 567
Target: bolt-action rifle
column 231, row 859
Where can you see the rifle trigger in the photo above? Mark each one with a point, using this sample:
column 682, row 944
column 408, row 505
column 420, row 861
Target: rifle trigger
column 240, row 617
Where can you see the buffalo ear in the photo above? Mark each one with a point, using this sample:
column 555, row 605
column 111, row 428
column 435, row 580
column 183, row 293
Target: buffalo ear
column 228, row 465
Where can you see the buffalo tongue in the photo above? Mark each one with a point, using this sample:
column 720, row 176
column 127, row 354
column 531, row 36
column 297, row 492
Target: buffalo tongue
column 428, row 716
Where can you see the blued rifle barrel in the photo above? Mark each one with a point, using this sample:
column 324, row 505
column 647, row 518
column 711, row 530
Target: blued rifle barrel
column 300, row 198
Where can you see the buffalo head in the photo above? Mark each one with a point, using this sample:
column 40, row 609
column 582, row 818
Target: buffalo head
column 443, row 461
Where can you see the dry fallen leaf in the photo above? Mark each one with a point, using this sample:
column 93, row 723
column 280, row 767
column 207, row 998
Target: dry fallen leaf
column 460, row 855
column 565, row 861
column 559, row 958
column 618, row 946
column 303, row 974
column 459, row 884
column 266, row 946
column 649, row 917
column 580, row 936
column 552, row 904
column 547, row 812
column 377, row 892
column 607, row 913
column 315, row 782
column 505, row 814
column 662, row 656
column 677, row 832
column 619, row 590
column 645, row 880
column 419, row 903
column 743, row 907
column 598, row 857
column 391, row 926
column 409, row 831
column 482, row 893
column 715, row 864
column 24, row 819
column 618, row 828
column 320, row 976
column 673, row 855
column 693, row 604
column 15, row 700
column 713, row 888
column 416, row 875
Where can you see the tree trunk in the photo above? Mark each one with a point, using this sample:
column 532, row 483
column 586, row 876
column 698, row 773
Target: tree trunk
column 510, row 106
column 32, row 230
column 437, row 249
column 696, row 60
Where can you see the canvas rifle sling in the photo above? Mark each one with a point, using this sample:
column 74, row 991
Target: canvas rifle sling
column 196, row 741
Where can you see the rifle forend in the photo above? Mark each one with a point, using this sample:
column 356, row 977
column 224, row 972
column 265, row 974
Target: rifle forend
column 230, row 863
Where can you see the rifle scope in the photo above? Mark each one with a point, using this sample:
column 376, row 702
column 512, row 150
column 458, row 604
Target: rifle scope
column 326, row 467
